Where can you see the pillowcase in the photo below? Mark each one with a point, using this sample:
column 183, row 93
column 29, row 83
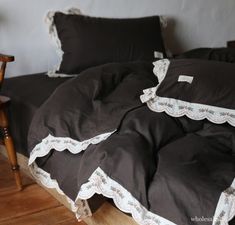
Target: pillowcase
column 196, row 88
column 218, row 54
column 49, row 20
column 90, row 41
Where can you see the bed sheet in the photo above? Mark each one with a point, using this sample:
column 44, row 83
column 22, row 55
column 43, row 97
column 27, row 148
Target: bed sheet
column 27, row 93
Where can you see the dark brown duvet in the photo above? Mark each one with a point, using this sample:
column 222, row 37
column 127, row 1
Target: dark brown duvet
column 160, row 169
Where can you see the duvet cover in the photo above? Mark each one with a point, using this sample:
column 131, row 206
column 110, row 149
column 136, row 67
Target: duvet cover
column 160, row 168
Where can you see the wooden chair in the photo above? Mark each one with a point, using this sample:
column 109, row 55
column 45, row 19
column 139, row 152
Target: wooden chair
column 4, row 125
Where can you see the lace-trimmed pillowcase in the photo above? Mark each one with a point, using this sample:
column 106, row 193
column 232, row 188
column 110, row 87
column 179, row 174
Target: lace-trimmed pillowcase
column 85, row 41
column 199, row 89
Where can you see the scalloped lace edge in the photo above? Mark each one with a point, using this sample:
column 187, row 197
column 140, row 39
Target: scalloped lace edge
column 62, row 143
column 225, row 209
column 100, row 183
column 49, row 20
column 178, row 108
column 80, row 207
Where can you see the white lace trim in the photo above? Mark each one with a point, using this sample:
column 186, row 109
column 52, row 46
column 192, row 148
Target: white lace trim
column 79, row 207
column 49, row 20
column 225, row 209
column 101, row 183
column 163, row 21
column 62, row 143
column 178, row 108
column 149, row 94
column 53, row 74
column 160, row 69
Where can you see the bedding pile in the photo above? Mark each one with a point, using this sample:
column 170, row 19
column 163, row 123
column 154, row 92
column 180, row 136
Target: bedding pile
column 160, row 161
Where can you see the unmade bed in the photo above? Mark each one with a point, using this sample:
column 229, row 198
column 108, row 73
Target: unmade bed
column 158, row 139
column 130, row 153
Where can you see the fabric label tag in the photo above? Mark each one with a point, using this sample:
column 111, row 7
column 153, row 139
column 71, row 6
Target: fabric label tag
column 158, row 55
column 185, row 78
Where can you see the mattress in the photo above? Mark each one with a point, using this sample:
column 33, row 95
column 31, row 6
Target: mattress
column 27, row 93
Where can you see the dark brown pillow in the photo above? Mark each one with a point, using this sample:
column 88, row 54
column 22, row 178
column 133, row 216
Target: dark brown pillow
column 217, row 54
column 196, row 88
column 90, row 41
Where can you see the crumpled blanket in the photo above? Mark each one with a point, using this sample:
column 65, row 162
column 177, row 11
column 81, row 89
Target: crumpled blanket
column 160, row 169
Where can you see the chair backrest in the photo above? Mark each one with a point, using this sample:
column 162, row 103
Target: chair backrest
column 4, row 59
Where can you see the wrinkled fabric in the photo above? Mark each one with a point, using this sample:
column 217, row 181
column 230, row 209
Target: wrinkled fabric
column 92, row 103
column 175, row 167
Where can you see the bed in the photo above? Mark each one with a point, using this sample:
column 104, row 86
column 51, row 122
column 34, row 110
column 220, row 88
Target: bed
column 153, row 138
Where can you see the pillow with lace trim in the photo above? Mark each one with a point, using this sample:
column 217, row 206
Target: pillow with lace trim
column 49, row 20
column 85, row 41
column 198, row 89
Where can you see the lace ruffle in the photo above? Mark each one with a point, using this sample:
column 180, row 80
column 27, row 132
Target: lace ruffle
column 62, row 143
column 101, row 183
column 225, row 209
column 160, row 69
column 79, row 207
column 49, row 20
column 178, row 108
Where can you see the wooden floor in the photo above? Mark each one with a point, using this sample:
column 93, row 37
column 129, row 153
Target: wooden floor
column 32, row 206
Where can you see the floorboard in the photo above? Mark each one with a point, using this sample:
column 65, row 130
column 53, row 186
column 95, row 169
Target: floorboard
column 105, row 215
column 31, row 206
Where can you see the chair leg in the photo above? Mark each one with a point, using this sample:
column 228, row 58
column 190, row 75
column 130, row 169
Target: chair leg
column 8, row 141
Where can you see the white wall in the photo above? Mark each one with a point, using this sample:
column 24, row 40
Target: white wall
column 195, row 23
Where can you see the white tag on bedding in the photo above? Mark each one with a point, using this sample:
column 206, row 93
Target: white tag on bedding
column 158, row 55
column 185, row 78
